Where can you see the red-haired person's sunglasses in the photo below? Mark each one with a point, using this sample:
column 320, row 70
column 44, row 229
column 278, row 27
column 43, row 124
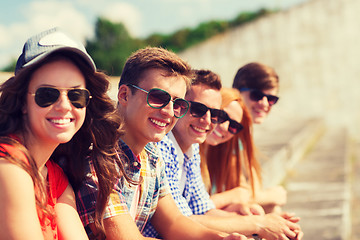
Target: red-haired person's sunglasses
column 234, row 126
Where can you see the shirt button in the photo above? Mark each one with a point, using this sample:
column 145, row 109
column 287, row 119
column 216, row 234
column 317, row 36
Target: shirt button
column 136, row 163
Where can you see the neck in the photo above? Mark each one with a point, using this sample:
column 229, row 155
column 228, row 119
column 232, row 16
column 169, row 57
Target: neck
column 185, row 146
column 135, row 146
column 39, row 151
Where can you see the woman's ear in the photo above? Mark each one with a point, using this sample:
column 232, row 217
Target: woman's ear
column 123, row 94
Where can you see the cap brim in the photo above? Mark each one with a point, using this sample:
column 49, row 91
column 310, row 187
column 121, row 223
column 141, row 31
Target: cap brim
column 86, row 57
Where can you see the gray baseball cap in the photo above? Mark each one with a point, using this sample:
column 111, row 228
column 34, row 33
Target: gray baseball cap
column 41, row 45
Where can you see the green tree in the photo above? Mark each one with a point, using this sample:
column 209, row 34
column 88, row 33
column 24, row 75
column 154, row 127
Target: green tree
column 178, row 40
column 111, row 46
column 245, row 17
column 156, row 39
column 10, row 67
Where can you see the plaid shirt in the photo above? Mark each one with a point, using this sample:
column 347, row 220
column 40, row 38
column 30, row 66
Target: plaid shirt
column 149, row 171
column 194, row 199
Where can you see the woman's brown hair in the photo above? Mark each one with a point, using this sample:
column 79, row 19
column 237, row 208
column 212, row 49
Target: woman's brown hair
column 97, row 140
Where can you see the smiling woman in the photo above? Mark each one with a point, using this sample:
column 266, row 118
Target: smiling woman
column 228, row 154
column 56, row 102
column 32, row 126
column 230, row 167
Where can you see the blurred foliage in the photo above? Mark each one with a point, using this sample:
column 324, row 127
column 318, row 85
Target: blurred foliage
column 185, row 38
column 112, row 43
column 10, row 67
column 111, row 46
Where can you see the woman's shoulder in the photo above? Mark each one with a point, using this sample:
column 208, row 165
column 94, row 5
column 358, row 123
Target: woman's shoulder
column 13, row 177
column 12, row 151
column 10, row 157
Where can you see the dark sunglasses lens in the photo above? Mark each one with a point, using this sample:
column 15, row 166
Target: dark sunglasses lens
column 79, row 97
column 158, row 98
column 223, row 116
column 198, row 109
column 218, row 116
column 181, row 107
column 272, row 99
column 235, row 127
column 44, row 97
column 256, row 95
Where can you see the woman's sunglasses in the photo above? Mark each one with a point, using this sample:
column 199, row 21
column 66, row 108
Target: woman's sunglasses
column 234, row 126
column 198, row 110
column 257, row 95
column 158, row 98
column 46, row 96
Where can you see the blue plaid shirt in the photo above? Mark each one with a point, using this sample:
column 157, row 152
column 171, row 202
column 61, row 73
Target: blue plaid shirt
column 194, row 199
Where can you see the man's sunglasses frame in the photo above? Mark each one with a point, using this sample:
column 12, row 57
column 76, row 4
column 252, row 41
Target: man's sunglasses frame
column 198, row 110
column 47, row 96
column 155, row 99
column 256, row 95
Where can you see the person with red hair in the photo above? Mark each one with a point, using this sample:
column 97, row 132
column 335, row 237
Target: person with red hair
column 230, row 168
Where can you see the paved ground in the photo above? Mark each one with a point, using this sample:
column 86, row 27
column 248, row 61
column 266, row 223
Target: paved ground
column 283, row 145
column 318, row 189
column 355, row 203
column 321, row 180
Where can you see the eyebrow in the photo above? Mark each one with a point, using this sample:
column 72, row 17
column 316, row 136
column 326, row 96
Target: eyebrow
column 54, row 86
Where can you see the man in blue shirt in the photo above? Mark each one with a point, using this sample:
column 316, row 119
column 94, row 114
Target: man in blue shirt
column 180, row 151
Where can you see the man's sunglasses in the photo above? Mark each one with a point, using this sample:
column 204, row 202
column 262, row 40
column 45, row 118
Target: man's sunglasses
column 158, row 98
column 257, row 95
column 234, row 126
column 46, row 96
column 198, row 110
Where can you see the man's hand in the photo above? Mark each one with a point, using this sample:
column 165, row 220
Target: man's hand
column 276, row 227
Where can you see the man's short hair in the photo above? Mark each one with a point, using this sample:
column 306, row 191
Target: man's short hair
column 154, row 58
column 256, row 76
column 207, row 77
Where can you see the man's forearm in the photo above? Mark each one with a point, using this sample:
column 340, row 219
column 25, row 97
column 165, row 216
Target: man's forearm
column 245, row 225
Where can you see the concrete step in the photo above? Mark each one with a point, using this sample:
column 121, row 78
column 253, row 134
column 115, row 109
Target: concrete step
column 355, row 188
column 319, row 188
column 281, row 146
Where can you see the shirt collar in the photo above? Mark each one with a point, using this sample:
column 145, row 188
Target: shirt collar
column 187, row 154
column 131, row 159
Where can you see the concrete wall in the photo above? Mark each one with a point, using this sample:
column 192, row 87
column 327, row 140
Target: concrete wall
column 315, row 49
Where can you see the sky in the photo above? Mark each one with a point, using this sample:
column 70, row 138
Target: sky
column 20, row 19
